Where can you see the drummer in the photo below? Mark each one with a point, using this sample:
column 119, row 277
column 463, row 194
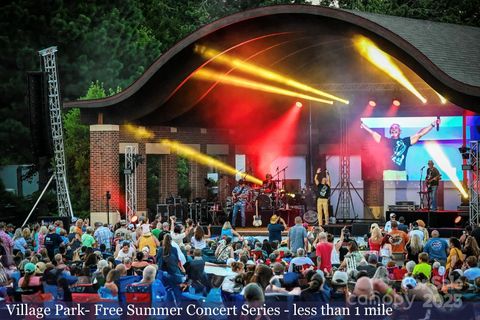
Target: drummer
column 269, row 185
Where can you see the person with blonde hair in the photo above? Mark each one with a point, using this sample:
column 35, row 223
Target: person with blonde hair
column 376, row 238
column 41, row 238
column 227, row 231
column 414, row 248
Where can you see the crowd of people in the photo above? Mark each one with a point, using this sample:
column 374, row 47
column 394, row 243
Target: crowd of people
column 182, row 261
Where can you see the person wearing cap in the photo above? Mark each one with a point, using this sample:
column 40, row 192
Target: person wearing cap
column 275, row 228
column 148, row 240
column 371, row 267
column 52, row 242
column 388, row 224
column 240, row 194
column 122, row 233
column 29, row 279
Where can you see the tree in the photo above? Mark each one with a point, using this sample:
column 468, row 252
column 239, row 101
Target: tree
column 77, row 152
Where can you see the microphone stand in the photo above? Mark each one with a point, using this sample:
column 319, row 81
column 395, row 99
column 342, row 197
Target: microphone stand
column 420, row 193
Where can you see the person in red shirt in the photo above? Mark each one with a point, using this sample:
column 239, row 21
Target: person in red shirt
column 323, row 252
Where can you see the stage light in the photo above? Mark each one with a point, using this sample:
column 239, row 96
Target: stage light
column 257, row 71
column 465, row 152
column 298, row 104
column 458, row 219
column 134, row 219
column 384, row 62
column 210, row 75
column 396, row 102
column 440, row 158
column 372, row 103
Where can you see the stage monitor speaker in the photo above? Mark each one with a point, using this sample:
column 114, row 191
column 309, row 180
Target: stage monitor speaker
column 39, row 114
column 163, row 210
column 292, row 185
column 360, row 229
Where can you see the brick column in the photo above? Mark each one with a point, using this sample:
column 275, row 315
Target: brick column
column 168, row 176
column 104, row 174
column 197, row 174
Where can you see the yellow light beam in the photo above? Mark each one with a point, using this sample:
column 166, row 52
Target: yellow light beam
column 210, row 75
column 442, row 98
column 436, row 152
column 261, row 72
column 139, row 133
column 201, row 158
column 384, row 62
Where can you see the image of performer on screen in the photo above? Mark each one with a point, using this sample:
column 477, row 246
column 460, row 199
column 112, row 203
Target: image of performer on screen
column 323, row 193
column 431, row 181
column 398, row 148
column 269, row 185
column 239, row 197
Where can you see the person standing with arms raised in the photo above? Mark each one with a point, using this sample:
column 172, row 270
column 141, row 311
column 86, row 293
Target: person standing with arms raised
column 323, row 193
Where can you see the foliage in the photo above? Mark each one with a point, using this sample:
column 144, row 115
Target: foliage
column 153, row 182
column 77, row 151
column 183, row 169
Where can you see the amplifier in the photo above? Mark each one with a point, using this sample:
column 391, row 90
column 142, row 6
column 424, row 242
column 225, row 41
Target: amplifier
column 402, row 208
column 405, row 203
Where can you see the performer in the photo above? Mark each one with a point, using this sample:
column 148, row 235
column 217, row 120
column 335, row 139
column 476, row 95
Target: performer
column 395, row 169
column 323, row 193
column 269, row 184
column 433, row 176
column 240, row 195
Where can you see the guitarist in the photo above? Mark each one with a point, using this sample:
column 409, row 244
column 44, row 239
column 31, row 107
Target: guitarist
column 240, row 195
column 433, row 176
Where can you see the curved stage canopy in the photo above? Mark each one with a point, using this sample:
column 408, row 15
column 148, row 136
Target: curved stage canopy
column 310, row 44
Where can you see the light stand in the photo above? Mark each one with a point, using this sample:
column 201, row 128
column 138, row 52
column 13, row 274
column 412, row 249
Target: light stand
column 108, row 196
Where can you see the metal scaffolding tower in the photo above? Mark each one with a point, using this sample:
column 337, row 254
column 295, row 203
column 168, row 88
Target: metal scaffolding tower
column 48, row 60
column 474, row 184
column 344, row 197
column 131, row 161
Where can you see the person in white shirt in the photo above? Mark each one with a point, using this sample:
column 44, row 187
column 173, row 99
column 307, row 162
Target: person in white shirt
column 300, row 260
column 388, row 225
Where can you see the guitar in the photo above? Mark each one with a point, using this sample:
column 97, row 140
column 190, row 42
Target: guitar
column 257, row 221
column 428, row 181
column 237, row 196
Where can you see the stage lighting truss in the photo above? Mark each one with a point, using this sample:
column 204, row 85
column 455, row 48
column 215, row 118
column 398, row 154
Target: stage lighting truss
column 132, row 159
column 474, row 207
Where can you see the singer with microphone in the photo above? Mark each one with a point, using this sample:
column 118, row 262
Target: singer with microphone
column 431, row 181
column 398, row 148
column 323, row 193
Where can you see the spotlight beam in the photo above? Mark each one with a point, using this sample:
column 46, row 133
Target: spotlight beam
column 436, row 152
column 210, row 75
column 201, row 158
column 261, row 72
column 384, row 62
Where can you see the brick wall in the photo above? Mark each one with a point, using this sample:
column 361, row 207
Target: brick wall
column 104, row 166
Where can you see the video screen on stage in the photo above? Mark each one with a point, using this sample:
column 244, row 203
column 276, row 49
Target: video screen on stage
column 399, row 148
